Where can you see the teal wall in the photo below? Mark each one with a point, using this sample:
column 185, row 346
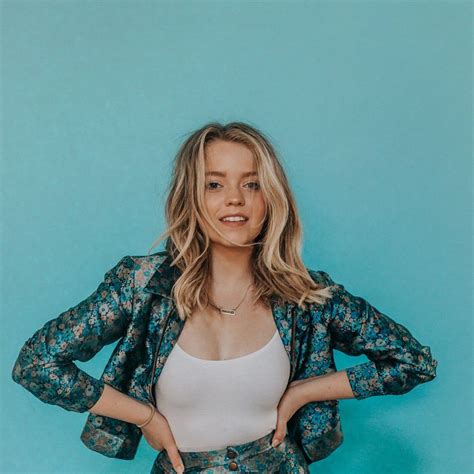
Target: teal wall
column 369, row 106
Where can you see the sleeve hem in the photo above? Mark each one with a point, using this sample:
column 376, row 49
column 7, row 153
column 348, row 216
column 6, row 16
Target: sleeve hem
column 93, row 389
column 364, row 380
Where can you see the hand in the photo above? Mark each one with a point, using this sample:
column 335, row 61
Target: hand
column 159, row 436
column 289, row 404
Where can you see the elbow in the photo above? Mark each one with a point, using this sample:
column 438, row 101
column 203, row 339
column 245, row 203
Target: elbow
column 56, row 383
column 40, row 377
column 22, row 366
column 426, row 365
column 403, row 377
column 17, row 373
column 31, row 372
column 427, row 371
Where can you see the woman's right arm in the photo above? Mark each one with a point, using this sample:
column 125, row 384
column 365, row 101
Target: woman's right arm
column 157, row 432
column 115, row 404
column 45, row 365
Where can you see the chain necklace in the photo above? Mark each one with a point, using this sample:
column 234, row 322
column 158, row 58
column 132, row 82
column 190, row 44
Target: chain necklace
column 229, row 312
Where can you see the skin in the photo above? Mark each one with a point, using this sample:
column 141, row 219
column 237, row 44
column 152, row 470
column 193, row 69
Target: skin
column 230, row 264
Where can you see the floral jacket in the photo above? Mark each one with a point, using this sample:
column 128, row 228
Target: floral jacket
column 133, row 306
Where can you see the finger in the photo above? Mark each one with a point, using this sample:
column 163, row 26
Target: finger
column 280, row 433
column 175, row 459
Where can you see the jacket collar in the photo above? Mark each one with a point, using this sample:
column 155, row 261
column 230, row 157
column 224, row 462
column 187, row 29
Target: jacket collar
column 159, row 275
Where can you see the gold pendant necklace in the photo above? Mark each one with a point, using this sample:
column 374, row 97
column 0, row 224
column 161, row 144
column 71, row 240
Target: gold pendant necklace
column 232, row 311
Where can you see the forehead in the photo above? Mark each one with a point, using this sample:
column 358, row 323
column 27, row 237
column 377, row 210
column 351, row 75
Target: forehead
column 222, row 156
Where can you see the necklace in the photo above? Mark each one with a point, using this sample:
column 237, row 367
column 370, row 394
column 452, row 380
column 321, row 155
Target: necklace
column 229, row 312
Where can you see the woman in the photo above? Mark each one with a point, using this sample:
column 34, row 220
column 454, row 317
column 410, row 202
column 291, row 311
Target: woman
column 225, row 358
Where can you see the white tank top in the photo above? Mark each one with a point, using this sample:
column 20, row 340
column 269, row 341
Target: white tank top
column 210, row 404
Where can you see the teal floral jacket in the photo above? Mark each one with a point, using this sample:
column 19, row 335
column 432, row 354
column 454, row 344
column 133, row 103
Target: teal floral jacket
column 133, row 305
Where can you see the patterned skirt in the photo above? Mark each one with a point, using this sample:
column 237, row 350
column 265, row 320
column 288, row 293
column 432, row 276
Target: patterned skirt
column 257, row 456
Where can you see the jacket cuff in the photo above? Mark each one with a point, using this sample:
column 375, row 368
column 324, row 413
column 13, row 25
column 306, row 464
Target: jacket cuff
column 364, row 380
column 87, row 392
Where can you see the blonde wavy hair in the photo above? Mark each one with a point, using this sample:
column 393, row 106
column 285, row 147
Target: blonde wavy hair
column 278, row 270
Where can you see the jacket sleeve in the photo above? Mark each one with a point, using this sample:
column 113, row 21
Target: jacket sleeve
column 45, row 365
column 397, row 361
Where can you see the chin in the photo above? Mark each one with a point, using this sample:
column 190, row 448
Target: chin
column 224, row 243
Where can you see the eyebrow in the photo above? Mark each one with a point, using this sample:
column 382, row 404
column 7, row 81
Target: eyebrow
column 220, row 173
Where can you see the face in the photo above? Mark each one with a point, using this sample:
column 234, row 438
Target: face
column 232, row 187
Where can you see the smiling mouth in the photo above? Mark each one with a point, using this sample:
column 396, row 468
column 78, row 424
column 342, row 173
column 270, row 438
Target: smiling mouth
column 238, row 223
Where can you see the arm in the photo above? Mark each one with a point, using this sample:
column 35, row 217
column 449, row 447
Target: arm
column 332, row 386
column 397, row 361
column 116, row 404
column 45, row 364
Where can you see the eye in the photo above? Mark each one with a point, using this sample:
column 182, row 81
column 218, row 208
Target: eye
column 209, row 185
column 256, row 185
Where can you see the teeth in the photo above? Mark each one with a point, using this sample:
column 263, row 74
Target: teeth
column 234, row 219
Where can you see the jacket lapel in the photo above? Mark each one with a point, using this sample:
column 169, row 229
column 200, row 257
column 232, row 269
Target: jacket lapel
column 159, row 278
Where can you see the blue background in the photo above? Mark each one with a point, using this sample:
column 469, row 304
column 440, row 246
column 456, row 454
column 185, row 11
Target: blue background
column 369, row 107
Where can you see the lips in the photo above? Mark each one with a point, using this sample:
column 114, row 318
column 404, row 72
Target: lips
column 235, row 215
column 237, row 223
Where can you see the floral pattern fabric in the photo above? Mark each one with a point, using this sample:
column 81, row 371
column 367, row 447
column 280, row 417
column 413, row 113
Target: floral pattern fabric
column 252, row 457
column 133, row 308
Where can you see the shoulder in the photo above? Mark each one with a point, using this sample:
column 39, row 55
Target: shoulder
column 150, row 268
column 149, row 262
column 321, row 277
column 153, row 260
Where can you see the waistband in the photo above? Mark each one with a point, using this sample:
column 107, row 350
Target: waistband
column 230, row 453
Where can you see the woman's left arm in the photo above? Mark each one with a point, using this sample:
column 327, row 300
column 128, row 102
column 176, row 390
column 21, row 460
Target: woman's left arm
column 398, row 362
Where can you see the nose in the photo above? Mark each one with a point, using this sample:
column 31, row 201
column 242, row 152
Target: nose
column 235, row 197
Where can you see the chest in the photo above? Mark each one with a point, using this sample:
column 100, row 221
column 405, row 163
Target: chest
column 211, row 336
column 156, row 328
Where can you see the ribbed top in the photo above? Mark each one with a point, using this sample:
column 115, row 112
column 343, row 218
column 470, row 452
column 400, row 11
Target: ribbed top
column 210, row 404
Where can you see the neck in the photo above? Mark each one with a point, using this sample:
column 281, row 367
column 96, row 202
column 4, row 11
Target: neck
column 231, row 272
